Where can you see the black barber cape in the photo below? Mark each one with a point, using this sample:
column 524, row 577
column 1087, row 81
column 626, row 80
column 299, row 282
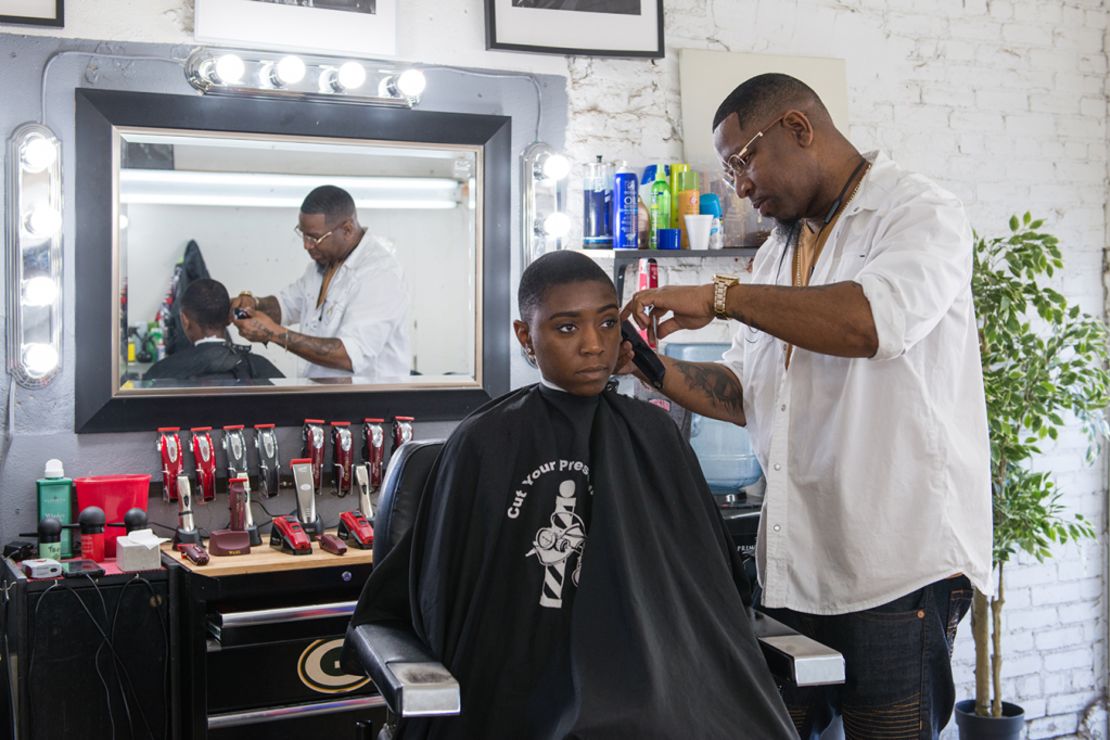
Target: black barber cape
column 569, row 567
column 214, row 360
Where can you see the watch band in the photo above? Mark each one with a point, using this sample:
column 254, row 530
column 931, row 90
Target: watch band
column 721, row 284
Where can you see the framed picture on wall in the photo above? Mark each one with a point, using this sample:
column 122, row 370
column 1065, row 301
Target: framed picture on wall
column 33, row 12
column 609, row 28
column 355, row 27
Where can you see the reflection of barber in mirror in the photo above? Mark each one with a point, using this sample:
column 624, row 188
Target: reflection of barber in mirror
column 352, row 304
column 204, row 317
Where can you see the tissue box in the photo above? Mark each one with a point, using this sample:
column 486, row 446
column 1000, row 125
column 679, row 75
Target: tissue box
column 139, row 551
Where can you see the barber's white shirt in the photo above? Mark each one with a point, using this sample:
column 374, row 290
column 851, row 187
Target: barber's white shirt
column 367, row 308
column 878, row 470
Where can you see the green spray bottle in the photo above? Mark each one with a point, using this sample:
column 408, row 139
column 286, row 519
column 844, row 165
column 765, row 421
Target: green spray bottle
column 660, row 204
column 55, row 494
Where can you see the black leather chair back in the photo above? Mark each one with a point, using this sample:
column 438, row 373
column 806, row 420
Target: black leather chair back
column 402, row 487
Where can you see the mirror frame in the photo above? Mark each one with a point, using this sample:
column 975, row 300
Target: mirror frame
column 98, row 405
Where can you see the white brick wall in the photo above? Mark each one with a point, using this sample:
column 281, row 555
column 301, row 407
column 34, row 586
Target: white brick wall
column 1005, row 104
column 1001, row 101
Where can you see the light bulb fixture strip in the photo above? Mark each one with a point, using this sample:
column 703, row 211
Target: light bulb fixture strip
column 33, row 226
column 252, row 73
column 545, row 225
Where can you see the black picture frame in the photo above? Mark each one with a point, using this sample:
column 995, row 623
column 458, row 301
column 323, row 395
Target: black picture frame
column 99, row 408
column 58, row 20
column 500, row 15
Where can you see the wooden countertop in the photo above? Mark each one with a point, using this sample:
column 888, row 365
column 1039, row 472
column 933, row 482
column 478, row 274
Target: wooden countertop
column 266, row 559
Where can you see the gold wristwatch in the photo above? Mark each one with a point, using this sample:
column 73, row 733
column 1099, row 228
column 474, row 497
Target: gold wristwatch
column 721, row 284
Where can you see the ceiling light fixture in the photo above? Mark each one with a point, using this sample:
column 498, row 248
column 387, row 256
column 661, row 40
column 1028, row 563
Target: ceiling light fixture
column 312, row 77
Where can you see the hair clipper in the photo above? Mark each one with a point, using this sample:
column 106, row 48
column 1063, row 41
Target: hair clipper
column 343, row 456
column 306, row 496
column 169, row 447
column 354, row 526
column 289, row 536
column 373, row 451
column 402, row 430
column 269, row 466
column 235, row 449
column 645, row 359
column 205, row 458
column 186, row 532
column 314, row 443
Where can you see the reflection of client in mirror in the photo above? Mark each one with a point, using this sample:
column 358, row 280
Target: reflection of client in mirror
column 204, row 317
column 352, row 304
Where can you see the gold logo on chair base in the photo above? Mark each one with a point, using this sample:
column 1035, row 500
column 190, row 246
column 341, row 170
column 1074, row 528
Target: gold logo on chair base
column 319, row 668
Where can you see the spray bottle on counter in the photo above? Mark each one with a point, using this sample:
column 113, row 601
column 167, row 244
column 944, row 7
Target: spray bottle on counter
column 711, row 205
column 678, row 169
column 660, row 204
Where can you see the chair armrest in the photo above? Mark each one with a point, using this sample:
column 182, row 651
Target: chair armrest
column 794, row 657
column 412, row 682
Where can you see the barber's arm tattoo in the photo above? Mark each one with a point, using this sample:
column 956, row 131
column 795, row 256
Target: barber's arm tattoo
column 716, row 383
column 326, row 351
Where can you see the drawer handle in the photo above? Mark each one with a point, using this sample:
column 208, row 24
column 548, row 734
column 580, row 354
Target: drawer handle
column 284, row 614
column 275, row 714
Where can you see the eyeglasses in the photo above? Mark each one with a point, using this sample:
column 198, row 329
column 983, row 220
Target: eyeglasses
column 738, row 163
column 313, row 240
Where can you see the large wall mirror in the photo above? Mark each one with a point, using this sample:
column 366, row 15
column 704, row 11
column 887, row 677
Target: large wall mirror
column 172, row 191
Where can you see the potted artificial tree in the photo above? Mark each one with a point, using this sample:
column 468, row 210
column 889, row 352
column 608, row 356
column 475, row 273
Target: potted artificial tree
column 1042, row 359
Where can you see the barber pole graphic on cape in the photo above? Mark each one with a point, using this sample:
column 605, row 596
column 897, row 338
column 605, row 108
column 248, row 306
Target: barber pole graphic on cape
column 554, row 545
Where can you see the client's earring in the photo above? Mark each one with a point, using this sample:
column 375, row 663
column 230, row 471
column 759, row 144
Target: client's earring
column 530, row 356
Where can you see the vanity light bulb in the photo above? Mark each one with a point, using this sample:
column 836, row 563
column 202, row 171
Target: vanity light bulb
column 556, row 167
column 43, row 222
column 39, row 359
column 351, row 75
column 289, row 70
column 229, row 69
column 37, row 153
column 39, row 291
column 557, row 225
column 411, row 83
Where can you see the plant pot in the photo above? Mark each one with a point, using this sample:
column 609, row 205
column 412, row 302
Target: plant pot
column 974, row 727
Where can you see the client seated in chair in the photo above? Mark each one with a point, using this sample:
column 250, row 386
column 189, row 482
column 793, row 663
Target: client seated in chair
column 567, row 564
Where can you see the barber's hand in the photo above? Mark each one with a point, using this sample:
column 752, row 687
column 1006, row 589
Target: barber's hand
column 244, row 301
column 257, row 327
column 690, row 306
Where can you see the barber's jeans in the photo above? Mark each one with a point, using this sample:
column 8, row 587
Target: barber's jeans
column 897, row 660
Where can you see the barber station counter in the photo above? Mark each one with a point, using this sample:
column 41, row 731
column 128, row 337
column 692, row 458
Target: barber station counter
column 260, row 640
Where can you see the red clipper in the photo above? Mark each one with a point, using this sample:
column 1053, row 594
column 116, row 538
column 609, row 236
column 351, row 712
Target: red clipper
column 314, row 444
column 402, row 430
column 169, row 447
column 205, row 457
column 343, row 456
column 373, row 450
column 289, row 536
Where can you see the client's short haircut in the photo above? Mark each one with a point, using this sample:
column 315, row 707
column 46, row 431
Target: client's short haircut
column 335, row 203
column 206, row 303
column 762, row 97
column 555, row 268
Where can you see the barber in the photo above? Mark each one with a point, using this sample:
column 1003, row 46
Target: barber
column 351, row 303
column 855, row 367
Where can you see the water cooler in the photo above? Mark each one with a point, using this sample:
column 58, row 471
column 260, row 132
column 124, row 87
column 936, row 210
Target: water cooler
column 726, row 457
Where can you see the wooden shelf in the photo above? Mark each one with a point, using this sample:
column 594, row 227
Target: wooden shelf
column 266, row 559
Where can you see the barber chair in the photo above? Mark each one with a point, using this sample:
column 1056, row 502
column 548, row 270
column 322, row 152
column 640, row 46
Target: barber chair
column 415, row 684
